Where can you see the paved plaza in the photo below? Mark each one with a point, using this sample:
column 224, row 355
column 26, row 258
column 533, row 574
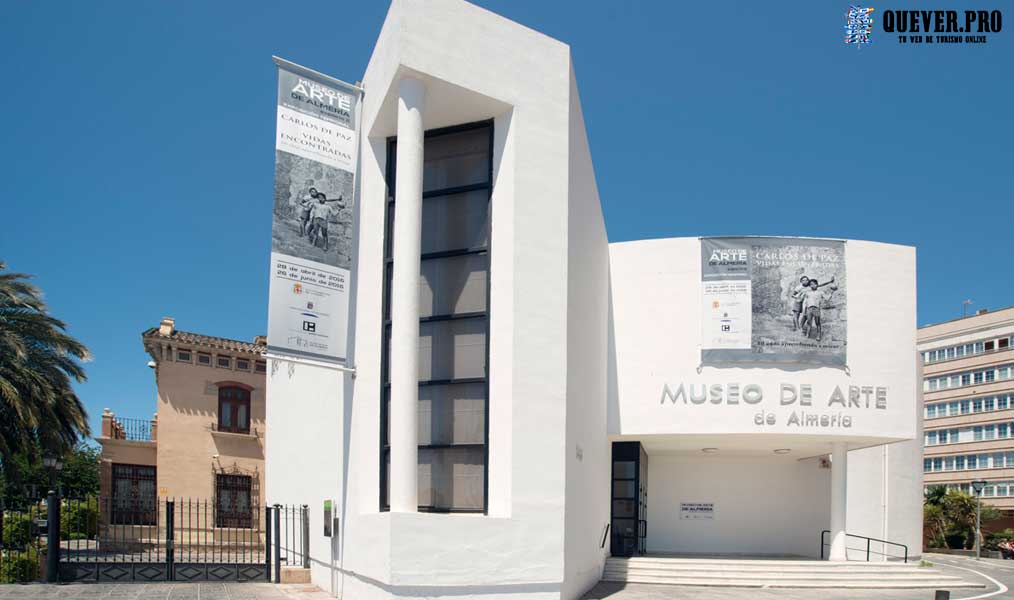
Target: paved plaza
column 162, row 591
column 996, row 575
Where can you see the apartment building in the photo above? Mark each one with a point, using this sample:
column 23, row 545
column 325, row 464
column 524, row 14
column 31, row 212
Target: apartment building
column 968, row 387
column 205, row 440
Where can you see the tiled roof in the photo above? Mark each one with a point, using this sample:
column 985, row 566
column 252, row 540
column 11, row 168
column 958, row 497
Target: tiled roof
column 207, row 341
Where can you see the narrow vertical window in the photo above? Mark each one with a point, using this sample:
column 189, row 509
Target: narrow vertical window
column 233, row 409
column 453, row 320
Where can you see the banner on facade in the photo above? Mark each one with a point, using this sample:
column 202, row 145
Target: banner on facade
column 780, row 300
column 312, row 238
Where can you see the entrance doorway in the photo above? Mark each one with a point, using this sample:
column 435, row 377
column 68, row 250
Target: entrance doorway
column 629, row 506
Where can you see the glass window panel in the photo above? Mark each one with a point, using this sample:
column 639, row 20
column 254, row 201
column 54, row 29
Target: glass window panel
column 624, row 489
column 242, row 419
column 456, row 159
column 451, row 478
column 455, row 221
column 225, row 417
column 624, row 469
column 452, row 349
column 624, row 509
column 626, row 527
column 453, row 285
column 452, row 414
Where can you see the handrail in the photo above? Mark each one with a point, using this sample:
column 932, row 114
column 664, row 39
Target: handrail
column 605, row 534
column 862, row 537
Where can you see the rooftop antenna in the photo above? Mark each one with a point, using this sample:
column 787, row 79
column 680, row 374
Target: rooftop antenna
column 964, row 307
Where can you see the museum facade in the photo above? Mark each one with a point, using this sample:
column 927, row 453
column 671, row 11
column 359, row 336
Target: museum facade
column 522, row 399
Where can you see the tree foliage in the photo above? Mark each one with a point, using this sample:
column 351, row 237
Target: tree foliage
column 25, row 477
column 39, row 363
column 951, row 515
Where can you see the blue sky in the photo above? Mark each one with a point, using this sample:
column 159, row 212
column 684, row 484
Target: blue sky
column 138, row 146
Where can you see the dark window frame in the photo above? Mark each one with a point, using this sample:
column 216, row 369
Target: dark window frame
column 385, row 312
column 235, row 518
column 139, row 509
column 244, row 398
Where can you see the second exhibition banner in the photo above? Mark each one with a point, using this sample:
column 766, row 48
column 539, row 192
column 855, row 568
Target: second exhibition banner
column 312, row 237
column 779, row 300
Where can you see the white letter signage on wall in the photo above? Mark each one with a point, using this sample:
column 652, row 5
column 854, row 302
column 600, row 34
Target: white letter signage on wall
column 316, row 147
column 776, row 300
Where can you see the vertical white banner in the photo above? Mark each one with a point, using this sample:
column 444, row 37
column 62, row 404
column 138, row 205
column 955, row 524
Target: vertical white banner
column 312, row 237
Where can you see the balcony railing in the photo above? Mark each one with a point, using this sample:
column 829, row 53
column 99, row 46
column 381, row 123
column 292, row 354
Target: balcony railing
column 135, row 430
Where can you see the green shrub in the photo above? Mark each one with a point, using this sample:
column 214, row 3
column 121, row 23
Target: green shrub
column 79, row 520
column 20, row 566
column 18, row 529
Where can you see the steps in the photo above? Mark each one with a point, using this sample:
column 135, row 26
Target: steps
column 721, row 571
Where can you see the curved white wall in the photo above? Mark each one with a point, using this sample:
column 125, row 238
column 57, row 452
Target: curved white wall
column 656, row 313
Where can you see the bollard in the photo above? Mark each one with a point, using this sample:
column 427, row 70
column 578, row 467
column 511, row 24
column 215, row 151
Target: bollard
column 304, row 519
column 53, row 537
column 278, row 543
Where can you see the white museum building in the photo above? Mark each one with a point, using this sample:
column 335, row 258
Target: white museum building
column 525, row 401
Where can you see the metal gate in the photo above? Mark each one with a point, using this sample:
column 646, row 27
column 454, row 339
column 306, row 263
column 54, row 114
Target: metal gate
column 172, row 540
column 113, row 539
column 149, row 539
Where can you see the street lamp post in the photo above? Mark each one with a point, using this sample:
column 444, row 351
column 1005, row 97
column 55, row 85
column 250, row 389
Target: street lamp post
column 54, row 464
column 977, row 487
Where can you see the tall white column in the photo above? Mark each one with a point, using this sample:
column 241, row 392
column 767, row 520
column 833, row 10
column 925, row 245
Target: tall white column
column 839, row 473
column 404, row 365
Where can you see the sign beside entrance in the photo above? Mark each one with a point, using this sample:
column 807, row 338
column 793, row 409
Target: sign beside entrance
column 697, row 510
column 316, row 150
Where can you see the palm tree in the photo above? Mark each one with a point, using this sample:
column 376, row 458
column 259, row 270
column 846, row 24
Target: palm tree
column 934, row 495
column 38, row 364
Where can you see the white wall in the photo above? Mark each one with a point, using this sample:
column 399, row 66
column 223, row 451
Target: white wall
column 657, row 324
column 302, row 456
column 763, row 505
column 588, row 450
column 520, row 78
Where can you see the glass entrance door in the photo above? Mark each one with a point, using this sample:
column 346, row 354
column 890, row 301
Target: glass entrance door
column 629, row 499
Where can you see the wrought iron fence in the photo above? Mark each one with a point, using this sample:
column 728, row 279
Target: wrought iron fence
column 164, row 539
column 23, row 528
column 187, row 529
column 294, row 535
